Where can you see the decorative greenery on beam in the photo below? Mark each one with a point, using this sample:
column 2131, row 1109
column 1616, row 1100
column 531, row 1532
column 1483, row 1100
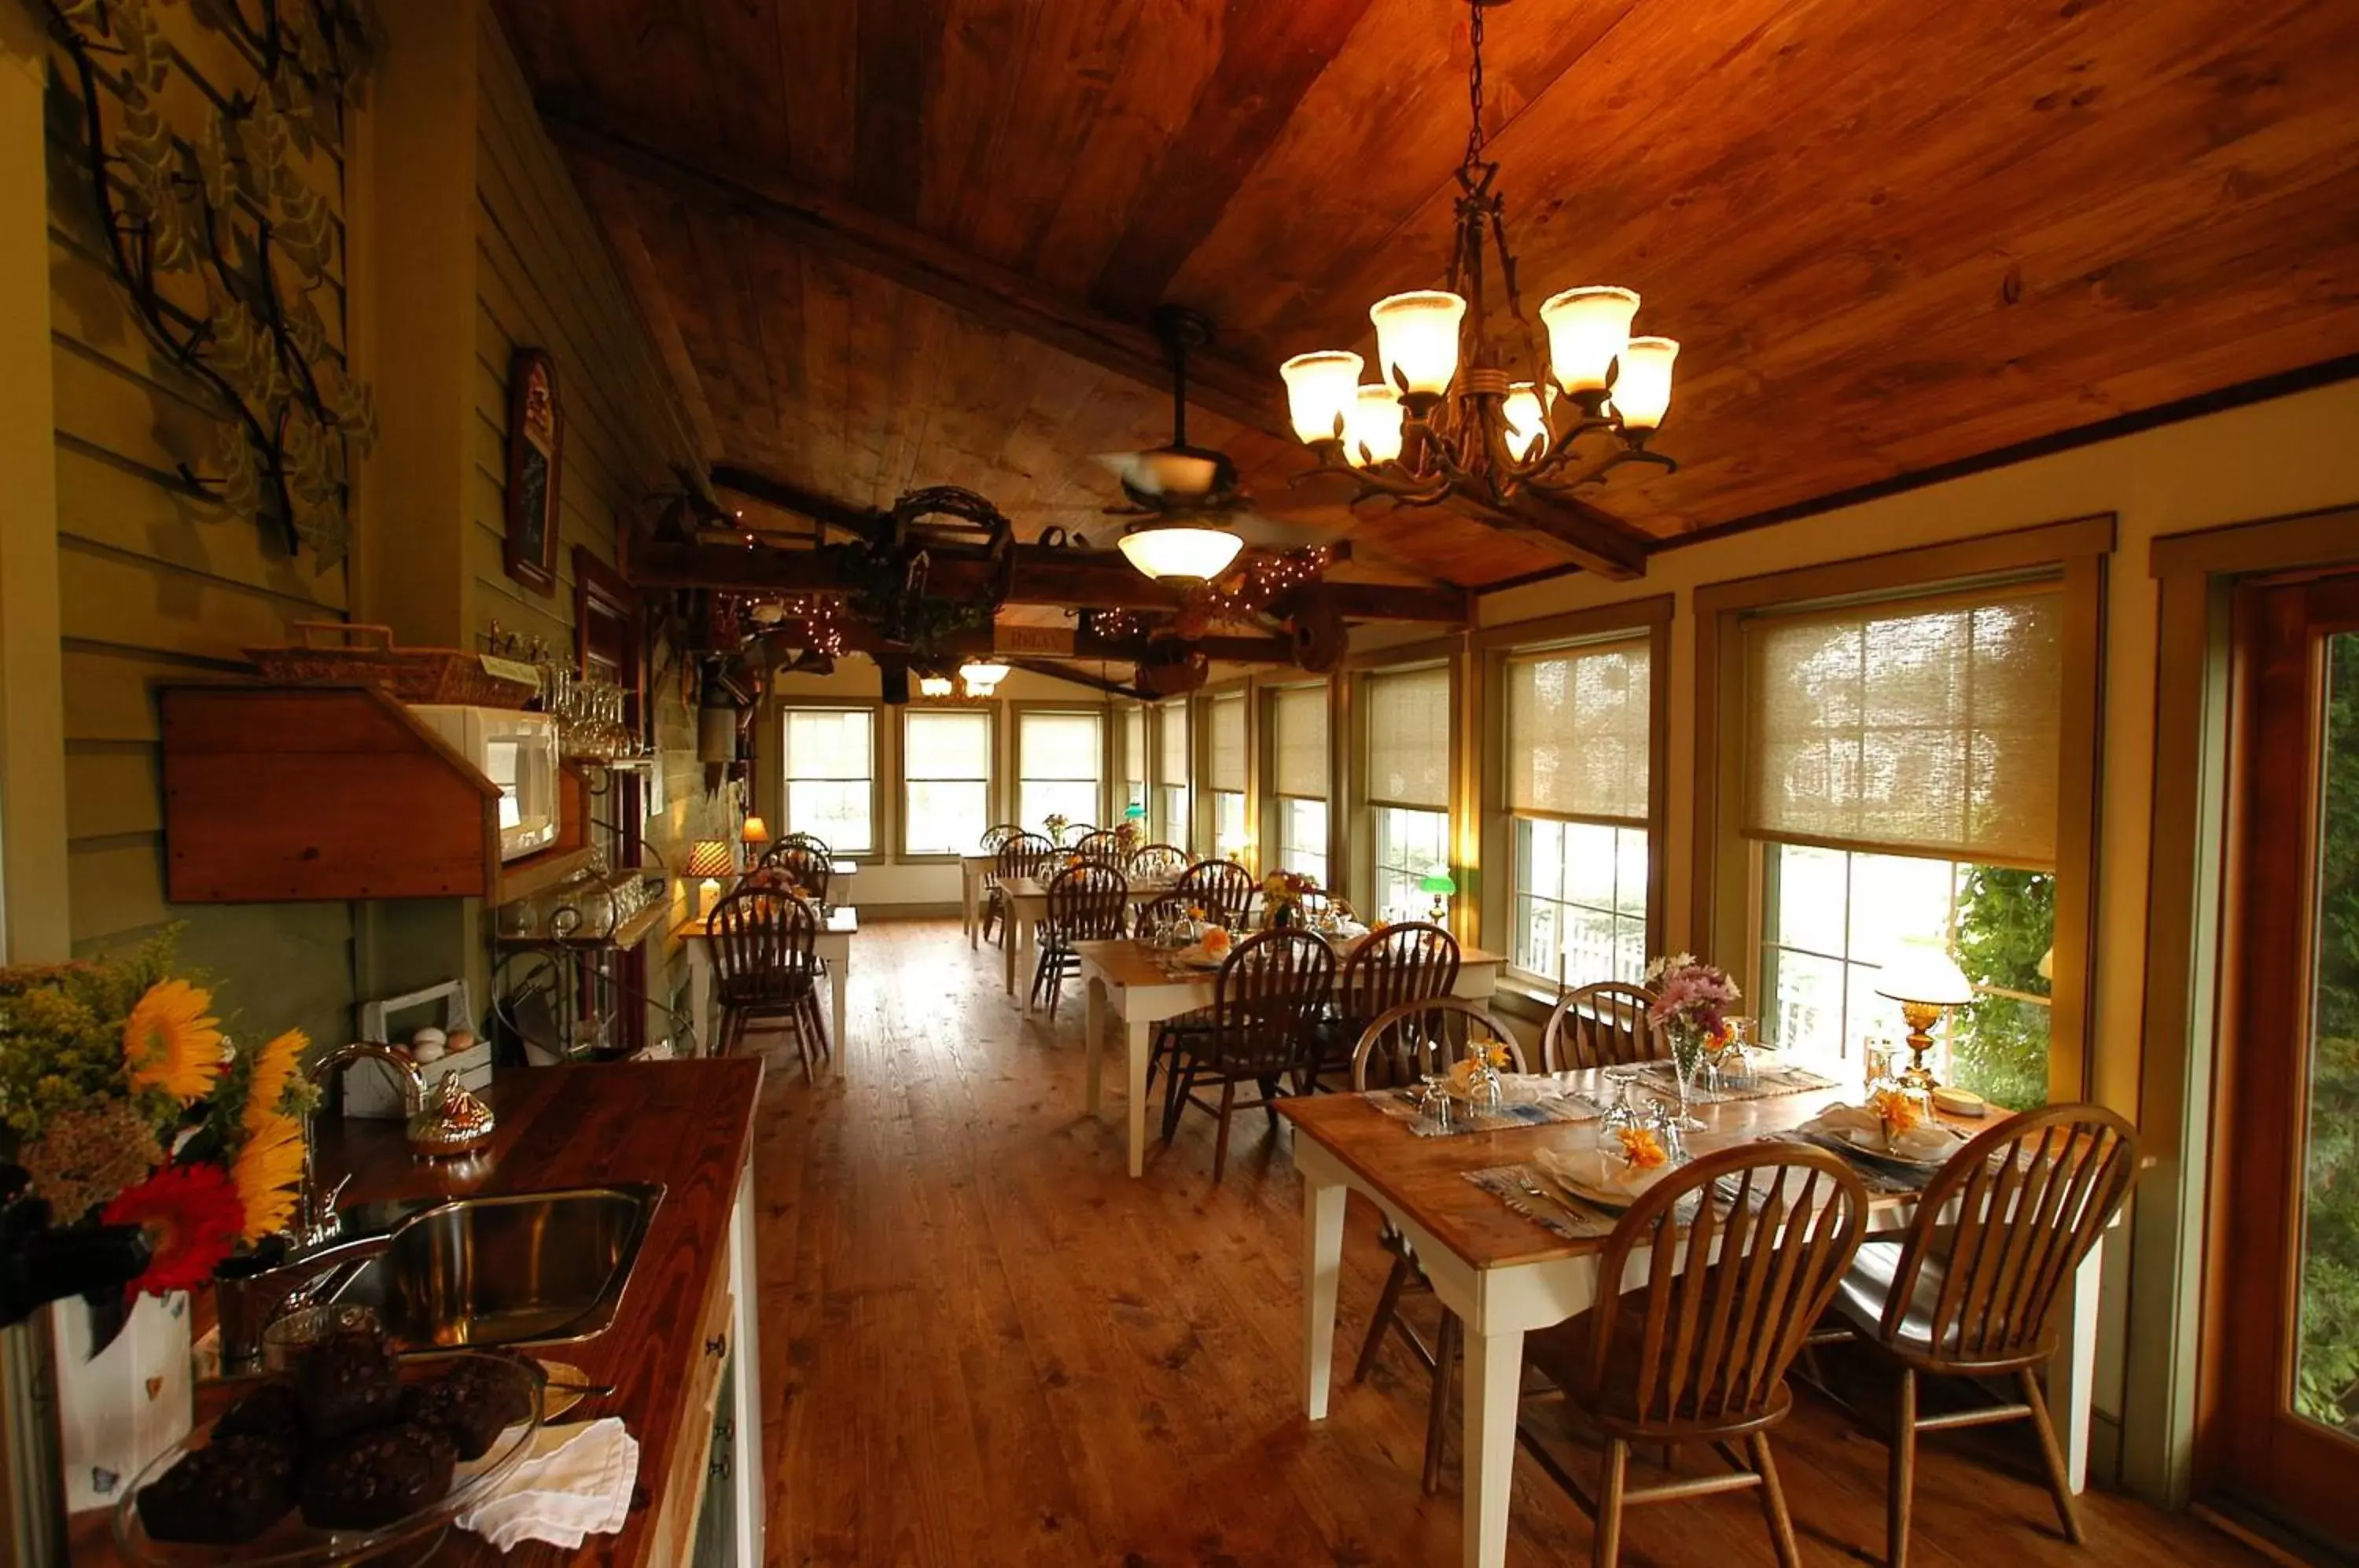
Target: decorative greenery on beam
column 227, row 207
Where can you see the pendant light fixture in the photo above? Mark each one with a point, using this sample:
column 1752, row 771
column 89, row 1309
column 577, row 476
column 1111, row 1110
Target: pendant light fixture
column 1453, row 410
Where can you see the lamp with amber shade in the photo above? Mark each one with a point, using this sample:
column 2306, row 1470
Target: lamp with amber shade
column 755, row 833
column 1926, row 981
column 708, row 863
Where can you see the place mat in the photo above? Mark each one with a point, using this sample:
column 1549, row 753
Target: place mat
column 1883, row 1181
column 1543, row 1110
column 1768, row 1082
column 1513, row 1184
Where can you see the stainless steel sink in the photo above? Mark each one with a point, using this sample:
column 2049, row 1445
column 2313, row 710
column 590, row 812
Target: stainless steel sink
column 534, row 1267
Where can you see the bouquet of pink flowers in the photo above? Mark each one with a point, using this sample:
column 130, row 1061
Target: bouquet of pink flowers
column 1690, row 995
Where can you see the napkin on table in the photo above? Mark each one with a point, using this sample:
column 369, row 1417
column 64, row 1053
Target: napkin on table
column 574, row 1482
column 1860, row 1126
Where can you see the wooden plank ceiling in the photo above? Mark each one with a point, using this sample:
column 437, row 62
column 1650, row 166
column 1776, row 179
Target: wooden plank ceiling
column 1890, row 235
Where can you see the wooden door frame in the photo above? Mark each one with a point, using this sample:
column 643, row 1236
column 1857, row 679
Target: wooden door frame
column 601, row 595
column 2196, row 574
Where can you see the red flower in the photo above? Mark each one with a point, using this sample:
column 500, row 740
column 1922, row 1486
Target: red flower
column 194, row 1219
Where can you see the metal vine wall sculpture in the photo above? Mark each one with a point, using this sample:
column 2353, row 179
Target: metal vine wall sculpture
column 222, row 246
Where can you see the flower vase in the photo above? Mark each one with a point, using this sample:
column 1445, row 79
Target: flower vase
column 122, row 1400
column 1281, row 916
column 1687, row 1064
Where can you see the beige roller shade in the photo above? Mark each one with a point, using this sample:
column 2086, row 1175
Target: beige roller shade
column 1134, row 745
column 1408, row 739
column 1228, row 760
column 1173, row 718
column 1580, row 726
column 1927, row 727
column 1299, row 723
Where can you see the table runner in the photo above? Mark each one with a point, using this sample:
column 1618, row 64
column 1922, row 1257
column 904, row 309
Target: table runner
column 1768, row 1082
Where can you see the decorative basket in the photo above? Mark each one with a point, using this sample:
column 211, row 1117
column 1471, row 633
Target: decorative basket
column 367, row 657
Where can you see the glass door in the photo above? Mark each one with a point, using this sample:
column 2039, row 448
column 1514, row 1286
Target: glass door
column 2283, row 1395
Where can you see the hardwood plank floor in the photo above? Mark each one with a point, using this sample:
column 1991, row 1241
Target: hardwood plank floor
column 983, row 1344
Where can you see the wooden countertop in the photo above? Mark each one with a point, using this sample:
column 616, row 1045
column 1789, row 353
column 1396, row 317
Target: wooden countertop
column 688, row 1125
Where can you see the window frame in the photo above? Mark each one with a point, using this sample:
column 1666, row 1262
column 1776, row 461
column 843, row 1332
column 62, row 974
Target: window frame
column 1204, row 792
column 1013, row 803
column 1725, row 911
column 990, row 711
column 1272, row 801
column 1445, row 653
column 786, row 706
column 1161, row 828
column 1625, row 621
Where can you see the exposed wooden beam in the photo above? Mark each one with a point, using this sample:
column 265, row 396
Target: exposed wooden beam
column 1584, row 535
column 981, row 643
column 825, row 510
column 834, row 226
column 1095, row 580
column 1079, row 677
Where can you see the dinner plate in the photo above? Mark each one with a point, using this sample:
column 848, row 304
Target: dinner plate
column 1590, row 1176
column 1868, row 1144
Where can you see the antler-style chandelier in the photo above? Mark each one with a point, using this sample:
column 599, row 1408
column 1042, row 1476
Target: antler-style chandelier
column 1454, row 411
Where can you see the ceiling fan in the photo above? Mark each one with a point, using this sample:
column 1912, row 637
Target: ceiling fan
column 1190, row 517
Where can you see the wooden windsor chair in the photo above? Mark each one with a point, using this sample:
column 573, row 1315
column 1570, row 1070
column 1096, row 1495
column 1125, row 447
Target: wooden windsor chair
column 801, row 866
column 1399, row 1046
column 1157, row 861
column 1409, row 962
column 765, row 971
column 1021, row 854
column 1972, row 1288
column 1603, row 1024
column 1707, row 1290
column 1087, row 902
column 1263, row 998
column 1224, row 888
column 1102, row 845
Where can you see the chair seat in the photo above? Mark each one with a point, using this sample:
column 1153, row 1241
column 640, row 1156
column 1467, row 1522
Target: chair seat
column 1860, row 1302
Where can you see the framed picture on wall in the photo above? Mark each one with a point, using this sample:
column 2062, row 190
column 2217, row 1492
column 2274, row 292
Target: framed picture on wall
column 536, row 445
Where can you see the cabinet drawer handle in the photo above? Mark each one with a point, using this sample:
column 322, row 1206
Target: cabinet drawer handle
column 717, row 1347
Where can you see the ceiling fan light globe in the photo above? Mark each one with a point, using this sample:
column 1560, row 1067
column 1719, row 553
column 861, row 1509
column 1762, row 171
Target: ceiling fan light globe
column 1192, row 552
column 1416, row 339
column 1525, row 416
column 1318, row 391
column 1641, row 392
column 1588, row 329
column 1372, row 432
column 980, row 675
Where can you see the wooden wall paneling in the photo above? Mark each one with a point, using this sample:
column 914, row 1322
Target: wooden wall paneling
column 898, row 40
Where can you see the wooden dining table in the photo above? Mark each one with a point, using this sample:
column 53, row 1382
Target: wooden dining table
column 1126, row 975
column 1504, row 1274
column 1027, row 902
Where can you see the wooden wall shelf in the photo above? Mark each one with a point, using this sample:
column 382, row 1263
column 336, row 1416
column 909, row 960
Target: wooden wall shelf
column 277, row 794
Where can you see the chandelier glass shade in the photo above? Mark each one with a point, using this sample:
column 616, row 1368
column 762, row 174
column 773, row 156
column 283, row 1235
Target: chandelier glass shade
column 934, row 686
column 981, row 675
column 1188, row 551
column 1527, row 411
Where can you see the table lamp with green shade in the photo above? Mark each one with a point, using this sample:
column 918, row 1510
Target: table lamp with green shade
column 1439, row 884
column 1135, row 812
column 1926, row 981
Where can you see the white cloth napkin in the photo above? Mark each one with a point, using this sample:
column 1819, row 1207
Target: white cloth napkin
column 574, row 1482
column 1925, row 1143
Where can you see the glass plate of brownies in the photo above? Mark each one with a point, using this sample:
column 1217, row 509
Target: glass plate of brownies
column 355, row 1454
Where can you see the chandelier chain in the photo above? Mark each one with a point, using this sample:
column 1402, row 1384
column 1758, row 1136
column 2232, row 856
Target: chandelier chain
column 1474, row 84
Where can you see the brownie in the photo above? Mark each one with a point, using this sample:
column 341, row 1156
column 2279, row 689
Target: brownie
column 502, row 1379
column 227, row 1492
column 347, row 1383
column 379, row 1477
column 268, row 1413
column 469, row 1411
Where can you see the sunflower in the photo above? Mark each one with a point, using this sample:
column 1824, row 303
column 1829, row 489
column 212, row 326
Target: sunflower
column 265, row 1172
column 171, row 1043
column 192, row 1219
column 274, row 1069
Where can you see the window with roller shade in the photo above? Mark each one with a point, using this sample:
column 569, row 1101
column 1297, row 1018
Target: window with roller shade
column 1171, row 775
column 1578, row 749
column 829, row 761
column 1298, row 779
column 1060, row 763
column 945, row 779
column 1900, row 771
column 1407, row 787
column 1226, row 768
column 1133, row 757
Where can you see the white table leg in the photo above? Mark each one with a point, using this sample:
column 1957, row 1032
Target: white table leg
column 1093, row 1035
column 839, row 980
column 1007, row 946
column 2071, row 1376
column 1495, row 1364
column 1022, row 964
column 971, row 920
column 1323, row 1267
column 1142, row 1046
